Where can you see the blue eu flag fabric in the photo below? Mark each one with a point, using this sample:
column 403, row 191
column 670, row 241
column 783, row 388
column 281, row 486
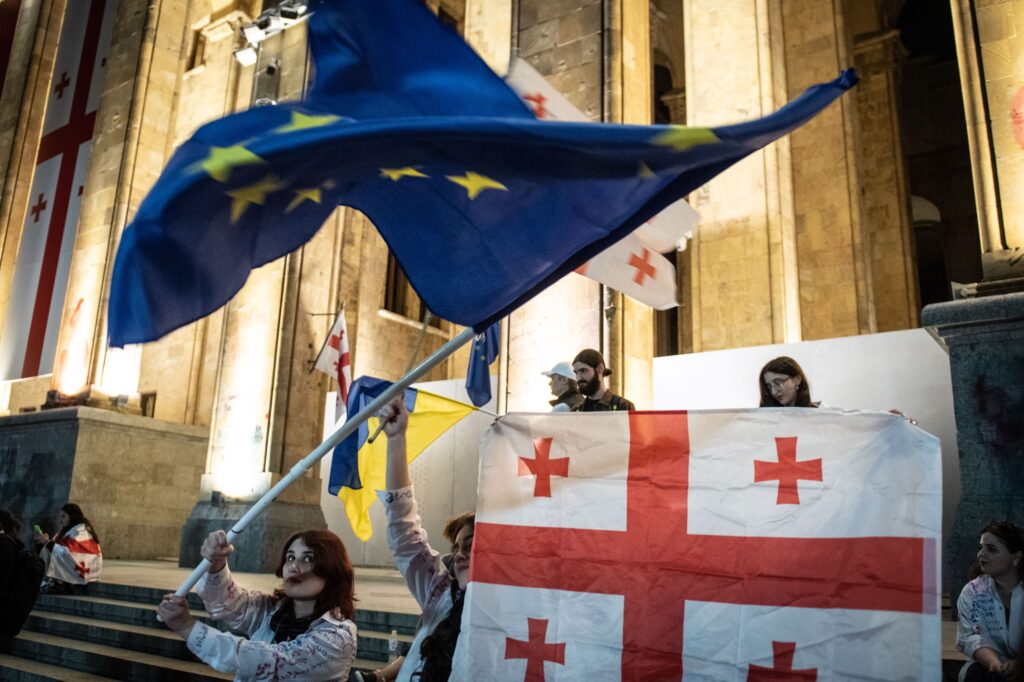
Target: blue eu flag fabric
column 481, row 356
column 482, row 204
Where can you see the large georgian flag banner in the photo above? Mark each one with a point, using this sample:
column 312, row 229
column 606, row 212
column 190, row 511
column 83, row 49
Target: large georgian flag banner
column 744, row 545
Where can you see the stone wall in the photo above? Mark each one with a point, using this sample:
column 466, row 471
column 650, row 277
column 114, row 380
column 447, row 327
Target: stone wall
column 135, row 478
column 884, row 185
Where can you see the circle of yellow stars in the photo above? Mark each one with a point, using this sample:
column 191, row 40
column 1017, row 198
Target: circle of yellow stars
column 221, row 161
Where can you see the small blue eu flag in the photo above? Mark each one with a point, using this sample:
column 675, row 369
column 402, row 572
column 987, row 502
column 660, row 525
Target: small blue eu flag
column 482, row 355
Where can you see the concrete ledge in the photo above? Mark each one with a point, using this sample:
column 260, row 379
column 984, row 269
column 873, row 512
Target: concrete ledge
column 1004, row 308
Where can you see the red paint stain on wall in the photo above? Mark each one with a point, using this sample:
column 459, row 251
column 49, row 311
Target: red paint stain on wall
column 1017, row 117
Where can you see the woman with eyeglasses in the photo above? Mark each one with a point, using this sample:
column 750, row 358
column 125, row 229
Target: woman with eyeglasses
column 303, row 631
column 782, row 383
column 438, row 588
column 991, row 607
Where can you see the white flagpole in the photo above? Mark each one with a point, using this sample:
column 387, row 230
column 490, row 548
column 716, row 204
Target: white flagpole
column 328, row 445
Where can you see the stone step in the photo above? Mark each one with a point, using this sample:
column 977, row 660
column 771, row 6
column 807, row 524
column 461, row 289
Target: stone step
column 13, row 669
column 140, row 638
column 102, row 659
column 379, row 621
column 134, row 626
column 109, row 610
column 135, row 593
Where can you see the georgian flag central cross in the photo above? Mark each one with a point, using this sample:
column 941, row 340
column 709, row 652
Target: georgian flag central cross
column 655, row 567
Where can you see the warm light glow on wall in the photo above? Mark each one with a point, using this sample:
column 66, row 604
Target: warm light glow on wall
column 239, row 431
column 121, row 370
column 72, row 367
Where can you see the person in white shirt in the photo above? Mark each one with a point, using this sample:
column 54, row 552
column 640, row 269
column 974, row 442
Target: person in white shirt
column 304, row 631
column 991, row 607
column 439, row 590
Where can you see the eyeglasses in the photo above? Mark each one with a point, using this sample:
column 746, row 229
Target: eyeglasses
column 776, row 384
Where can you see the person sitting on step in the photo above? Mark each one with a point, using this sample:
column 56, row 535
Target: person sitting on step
column 438, row 588
column 302, row 631
column 73, row 556
column 991, row 607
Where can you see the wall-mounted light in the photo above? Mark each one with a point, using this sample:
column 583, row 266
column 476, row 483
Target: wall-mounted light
column 246, row 56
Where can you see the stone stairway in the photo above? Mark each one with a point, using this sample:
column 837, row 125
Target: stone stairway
column 111, row 633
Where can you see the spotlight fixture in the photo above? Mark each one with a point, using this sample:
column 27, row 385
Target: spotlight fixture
column 292, row 9
column 253, row 34
column 246, row 56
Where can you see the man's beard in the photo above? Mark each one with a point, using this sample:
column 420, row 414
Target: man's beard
column 589, row 388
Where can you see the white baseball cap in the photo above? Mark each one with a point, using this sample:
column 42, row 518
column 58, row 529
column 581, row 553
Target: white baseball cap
column 562, row 369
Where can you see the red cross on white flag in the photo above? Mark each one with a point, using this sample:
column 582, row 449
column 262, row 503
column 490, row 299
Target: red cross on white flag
column 334, row 360
column 36, row 305
column 633, row 265
column 659, row 556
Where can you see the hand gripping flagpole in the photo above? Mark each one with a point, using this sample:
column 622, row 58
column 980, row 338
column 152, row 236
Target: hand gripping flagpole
column 328, row 445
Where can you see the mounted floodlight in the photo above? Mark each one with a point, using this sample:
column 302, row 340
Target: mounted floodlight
column 253, row 34
column 246, row 56
column 292, row 9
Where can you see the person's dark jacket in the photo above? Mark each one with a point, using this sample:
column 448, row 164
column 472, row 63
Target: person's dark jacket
column 572, row 398
column 608, row 402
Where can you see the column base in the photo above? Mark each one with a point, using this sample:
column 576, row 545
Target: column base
column 985, row 339
column 258, row 549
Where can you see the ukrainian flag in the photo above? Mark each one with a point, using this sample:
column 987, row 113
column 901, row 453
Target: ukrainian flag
column 358, row 467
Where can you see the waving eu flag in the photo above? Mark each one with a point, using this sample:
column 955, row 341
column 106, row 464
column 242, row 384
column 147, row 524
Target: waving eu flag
column 483, row 205
column 481, row 356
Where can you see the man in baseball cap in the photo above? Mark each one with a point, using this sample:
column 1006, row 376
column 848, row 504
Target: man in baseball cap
column 590, row 373
column 563, row 386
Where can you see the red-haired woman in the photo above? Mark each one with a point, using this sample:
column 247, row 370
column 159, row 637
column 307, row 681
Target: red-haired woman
column 302, row 631
column 991, row 606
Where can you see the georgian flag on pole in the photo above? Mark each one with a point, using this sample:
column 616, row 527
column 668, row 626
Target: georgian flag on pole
column 633, row 265
column 333, row 360
column 741, row 545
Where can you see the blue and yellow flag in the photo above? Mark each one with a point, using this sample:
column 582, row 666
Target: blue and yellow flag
column 358, row 467
column 482, row 204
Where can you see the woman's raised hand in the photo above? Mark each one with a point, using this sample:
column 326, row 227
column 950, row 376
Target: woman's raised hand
column 174, row 613
column 395, row 418
column 216, row 550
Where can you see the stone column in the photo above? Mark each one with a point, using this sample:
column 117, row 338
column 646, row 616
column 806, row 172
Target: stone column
column 629, row 91
column 985, row 338
column 745, row 58
column 885, row 188
column 268, row 407
column 563, row 42
column 989, row 40
column 597, row 55
column 24, row 19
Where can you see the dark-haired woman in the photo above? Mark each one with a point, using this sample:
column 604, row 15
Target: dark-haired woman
column 73, row 556
column 782, row 383
column 991, row 606
column 304, row 631
column 439, row 590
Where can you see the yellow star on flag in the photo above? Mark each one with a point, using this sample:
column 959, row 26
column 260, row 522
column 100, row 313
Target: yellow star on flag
column 311, row 194
column 255, row 193
column 475, row 183
column 302, row 121
column 222, row 159
column 397, row 174
column 645, row 172
column 682, row 138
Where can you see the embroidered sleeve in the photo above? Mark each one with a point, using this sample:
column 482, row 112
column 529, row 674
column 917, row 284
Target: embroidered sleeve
column 415, row 558
column 325, row 652
column 225, row 601
column 976, row 611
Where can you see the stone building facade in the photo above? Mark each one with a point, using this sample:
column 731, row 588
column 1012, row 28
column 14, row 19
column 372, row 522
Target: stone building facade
column 813, row 237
